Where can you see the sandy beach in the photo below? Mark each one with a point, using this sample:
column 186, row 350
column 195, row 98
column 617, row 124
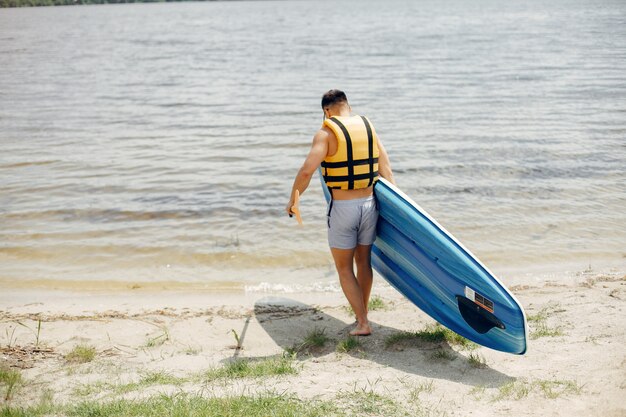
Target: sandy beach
column 144, row 343
column 147, row 265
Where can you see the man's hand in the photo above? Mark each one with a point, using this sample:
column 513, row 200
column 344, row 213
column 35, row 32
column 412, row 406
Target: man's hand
column 289, row 206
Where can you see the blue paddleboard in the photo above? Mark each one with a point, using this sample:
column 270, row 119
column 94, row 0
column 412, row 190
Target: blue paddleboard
column 435, row 272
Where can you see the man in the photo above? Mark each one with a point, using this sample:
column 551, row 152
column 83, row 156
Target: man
column 352, row 157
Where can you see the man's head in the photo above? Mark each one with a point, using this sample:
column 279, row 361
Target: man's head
column 333, row 101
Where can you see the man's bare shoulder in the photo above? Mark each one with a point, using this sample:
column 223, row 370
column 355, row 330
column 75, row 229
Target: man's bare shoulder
column 324, row 134
column 323, row 137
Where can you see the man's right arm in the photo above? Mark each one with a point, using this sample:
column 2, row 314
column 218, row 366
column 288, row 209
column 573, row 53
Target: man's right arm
column 318, row 152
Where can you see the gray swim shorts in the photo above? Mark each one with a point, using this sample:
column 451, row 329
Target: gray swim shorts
column 352, row 222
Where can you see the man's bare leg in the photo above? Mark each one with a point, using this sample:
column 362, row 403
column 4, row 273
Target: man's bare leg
column 364, row 276
column 344, row 259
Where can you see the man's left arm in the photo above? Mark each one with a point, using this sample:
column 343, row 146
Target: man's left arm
column 384, row 166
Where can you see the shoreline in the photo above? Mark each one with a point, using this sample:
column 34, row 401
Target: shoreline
column 575, row 364
column 70, row 296
column 302, row 280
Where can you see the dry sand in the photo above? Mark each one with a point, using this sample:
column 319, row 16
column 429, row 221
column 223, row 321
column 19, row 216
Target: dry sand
column 575, row 364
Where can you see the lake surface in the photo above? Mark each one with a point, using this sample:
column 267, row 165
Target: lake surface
column 156, row 144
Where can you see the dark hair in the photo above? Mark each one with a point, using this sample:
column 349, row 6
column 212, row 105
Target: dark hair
column 332, row 97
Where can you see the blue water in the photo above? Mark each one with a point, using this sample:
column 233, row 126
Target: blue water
column 158, row 142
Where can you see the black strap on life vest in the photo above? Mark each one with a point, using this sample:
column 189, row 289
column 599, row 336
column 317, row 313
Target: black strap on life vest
column 349, row 154
column 350, row 162
column 330, row 206
column 376, row 198
column 370, row 148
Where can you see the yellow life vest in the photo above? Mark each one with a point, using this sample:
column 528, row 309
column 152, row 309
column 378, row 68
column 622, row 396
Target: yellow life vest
column 355, row 164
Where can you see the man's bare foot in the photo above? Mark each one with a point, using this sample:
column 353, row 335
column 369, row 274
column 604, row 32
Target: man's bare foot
column 361, row 330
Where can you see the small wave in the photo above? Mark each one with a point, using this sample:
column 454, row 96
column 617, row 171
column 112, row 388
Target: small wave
column 191, row 105
column 162, row 42
column 109, row 215
column 26, row 164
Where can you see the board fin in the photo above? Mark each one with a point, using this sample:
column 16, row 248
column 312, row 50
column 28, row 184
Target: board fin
column 478, row 317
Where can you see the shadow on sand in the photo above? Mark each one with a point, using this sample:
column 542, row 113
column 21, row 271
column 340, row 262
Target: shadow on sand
column 288, row 322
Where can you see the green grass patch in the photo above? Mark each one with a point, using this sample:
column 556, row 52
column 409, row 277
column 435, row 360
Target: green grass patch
column 417, row 390
column 539, row 326
column 315, row 340
column 150, row 379
column 358, row 403
column 36, row 331
column 478, row 392
column 160, row 378
column 244, row 368
column 438, row 334
column 45, row 407
column 147, row 380
column 556, row 389
column 188, row 406
column 376, row 303
column 11, row 379
column 33, row 411
column 477, row 361
column 348, row 344
column 369, row 403
column 398, row 338
column 540, row 316
column 159, row 339
column 98, row 387
column 551, row 389
column 443, row 355
column 192, row 351
column 431, row 334
column 81, row 354
column 241, row 368
column 541, row 329
column 514, row 390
